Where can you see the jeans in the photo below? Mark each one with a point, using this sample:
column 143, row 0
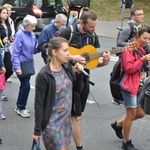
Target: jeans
column 130, row 101
column 23, row 93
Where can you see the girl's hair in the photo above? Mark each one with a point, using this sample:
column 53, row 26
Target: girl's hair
column 6, row 21
column 55, row 43
column 144, row 28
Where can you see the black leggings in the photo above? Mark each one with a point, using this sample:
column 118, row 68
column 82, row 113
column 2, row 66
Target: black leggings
column 8, row 65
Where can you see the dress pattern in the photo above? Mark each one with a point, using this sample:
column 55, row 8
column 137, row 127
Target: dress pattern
column 58, row 131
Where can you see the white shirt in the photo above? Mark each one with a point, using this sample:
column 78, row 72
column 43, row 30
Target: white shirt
column 12, row 26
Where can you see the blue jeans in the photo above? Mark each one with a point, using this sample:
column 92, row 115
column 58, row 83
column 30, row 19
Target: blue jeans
column 23, row 93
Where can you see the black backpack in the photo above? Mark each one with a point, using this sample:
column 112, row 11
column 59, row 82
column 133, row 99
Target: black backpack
column 132, row 33
column 145, row 96
column 115, row 77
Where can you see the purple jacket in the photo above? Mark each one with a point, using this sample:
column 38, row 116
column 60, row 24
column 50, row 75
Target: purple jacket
column 24, row 46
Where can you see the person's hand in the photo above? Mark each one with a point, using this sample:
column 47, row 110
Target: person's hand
column 36, row 138
column 106, row 56
column 105, row 60
column 18, row 72
column 146, row 57
column 2, row 70
column 5, row 39
column 78, row 58
column 11, row 38
column 78, row 67
column 132, row 46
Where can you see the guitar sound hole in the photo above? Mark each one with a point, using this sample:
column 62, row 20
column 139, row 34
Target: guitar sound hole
column 86, row 57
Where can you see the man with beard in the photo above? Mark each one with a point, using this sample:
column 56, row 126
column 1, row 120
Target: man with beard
column 83, row 34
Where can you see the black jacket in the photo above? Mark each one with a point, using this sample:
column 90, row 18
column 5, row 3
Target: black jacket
column 3, row 33
column 45, row 89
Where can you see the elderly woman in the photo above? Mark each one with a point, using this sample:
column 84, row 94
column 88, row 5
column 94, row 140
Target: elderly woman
column 23, row 49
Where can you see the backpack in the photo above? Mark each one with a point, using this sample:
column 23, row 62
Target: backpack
column 145, row 96
column 115, row 77
column 132, row 33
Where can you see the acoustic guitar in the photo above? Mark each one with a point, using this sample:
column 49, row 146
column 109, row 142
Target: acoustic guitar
column 91, row 55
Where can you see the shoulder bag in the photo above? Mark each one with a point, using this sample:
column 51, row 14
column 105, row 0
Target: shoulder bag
column 27, row 68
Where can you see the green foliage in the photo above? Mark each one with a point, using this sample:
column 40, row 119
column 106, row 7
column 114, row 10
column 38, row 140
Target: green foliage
column 110, row 10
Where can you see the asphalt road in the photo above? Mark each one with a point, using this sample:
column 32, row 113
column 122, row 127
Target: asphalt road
column 97, row 132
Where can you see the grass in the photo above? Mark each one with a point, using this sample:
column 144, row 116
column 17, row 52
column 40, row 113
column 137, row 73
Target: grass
column 110, row 10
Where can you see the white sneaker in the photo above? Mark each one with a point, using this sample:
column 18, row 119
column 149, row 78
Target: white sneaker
column 16, row 109
column 4, row 98
column 22, row 113
column 9, row 80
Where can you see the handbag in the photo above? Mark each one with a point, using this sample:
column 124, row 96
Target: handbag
column 35, row 145
column 27, row 68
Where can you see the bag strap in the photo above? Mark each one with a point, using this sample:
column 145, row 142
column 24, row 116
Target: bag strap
column 133, row 30
column 72, row 32
column 1, row 43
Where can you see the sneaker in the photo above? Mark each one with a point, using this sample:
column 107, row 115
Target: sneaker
column 9, row 80
column 22, row 113
column 2, row 116
column 118, row 102
column 16, row 109
column 128, row 146
column 118, row 130
column 4, row 98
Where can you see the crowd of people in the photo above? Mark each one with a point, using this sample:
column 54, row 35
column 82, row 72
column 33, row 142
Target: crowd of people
column 61, row 89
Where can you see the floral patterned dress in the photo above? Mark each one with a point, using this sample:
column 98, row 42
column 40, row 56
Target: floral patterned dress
column 58, row 131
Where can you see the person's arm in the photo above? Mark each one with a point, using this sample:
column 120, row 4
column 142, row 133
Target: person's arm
column 106, row 55
column 12, row 27
column 36, row 50
column 46, row 35
column 40, row 88
column 17, row 46
column 124, row 36
column 43, row 38
column 130, row 65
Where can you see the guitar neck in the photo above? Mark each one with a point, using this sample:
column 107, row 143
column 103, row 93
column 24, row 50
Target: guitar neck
column 100, row 54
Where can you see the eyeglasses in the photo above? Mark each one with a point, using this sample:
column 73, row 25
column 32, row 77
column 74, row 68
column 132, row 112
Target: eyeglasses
column 139, row 14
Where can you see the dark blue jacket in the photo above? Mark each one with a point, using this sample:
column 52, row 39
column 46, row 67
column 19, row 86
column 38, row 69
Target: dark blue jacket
column 47, row 33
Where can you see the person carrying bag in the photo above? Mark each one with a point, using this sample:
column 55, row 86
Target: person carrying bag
column 22, row 60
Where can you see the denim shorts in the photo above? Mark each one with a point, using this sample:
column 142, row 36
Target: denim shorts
column 130, row 101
